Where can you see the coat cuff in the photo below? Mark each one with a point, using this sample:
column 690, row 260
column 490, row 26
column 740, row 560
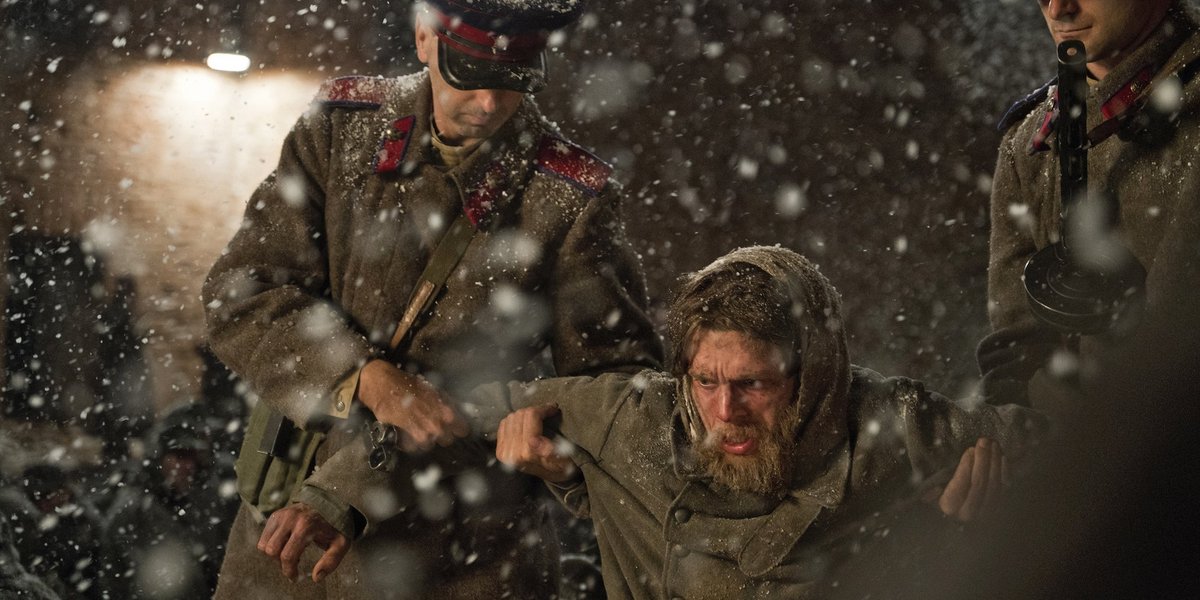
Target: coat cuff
column 572, row 494
column 344, row 394
column 341, row 515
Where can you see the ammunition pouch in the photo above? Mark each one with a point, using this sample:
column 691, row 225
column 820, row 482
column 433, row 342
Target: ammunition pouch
column 275, row 459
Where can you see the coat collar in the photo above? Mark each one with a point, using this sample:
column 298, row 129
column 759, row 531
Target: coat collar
column 495, row 173
column 1155, row 52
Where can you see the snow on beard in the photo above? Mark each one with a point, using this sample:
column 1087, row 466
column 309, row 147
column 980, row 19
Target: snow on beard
column 768, row 470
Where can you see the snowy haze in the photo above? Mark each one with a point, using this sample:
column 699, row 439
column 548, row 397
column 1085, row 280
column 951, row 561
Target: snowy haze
column 860, row 133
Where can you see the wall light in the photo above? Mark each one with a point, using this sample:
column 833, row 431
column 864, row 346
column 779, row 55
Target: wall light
column 233, row 63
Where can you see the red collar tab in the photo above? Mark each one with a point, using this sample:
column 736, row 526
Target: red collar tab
column 573, row 164
column 354, row 91
column 1129, row 94
column 482, row 198
column 394, row 145
column 489, row 45
column 1124, row 102
column 1039, row 143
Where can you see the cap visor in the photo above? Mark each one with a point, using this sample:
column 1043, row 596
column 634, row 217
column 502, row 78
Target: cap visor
column 470, row 73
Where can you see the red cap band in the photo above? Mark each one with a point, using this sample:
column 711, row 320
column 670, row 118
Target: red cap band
column 487, row 45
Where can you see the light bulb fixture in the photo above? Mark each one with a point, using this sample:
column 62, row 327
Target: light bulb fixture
column 229, row 62
column 229, row 54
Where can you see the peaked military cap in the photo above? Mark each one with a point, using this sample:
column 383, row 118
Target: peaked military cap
column 497, row 44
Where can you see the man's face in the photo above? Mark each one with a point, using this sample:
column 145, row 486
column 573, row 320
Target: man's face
column 463, row 117
column 745, row 398
column 1109, row 29
column 180, row 469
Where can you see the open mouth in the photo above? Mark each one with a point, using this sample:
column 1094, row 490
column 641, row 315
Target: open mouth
column 739, row 447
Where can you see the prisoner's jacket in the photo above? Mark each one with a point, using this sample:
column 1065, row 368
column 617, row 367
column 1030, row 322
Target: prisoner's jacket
column 1155, row 177
column 666, row 531
column 315, row 280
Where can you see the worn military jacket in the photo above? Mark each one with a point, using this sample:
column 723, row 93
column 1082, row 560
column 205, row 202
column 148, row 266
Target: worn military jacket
column 666, row 531
column 332, row 243
column 1155, row 177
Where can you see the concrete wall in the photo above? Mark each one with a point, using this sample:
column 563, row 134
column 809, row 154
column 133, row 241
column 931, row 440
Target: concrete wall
column 152, row 165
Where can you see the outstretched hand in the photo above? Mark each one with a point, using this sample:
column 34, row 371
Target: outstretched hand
column 291, row 529
column 975, row 487
column 418, row 410
column 521, row 445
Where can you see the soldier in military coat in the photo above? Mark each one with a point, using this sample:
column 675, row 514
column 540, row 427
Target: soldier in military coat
column 306, row 299
column 1143, row 124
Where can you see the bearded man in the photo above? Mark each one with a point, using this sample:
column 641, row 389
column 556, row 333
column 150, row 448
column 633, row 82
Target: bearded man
column 745, row 470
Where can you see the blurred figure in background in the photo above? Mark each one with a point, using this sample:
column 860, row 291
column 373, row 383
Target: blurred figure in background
column 165, row 532
column 56, row 530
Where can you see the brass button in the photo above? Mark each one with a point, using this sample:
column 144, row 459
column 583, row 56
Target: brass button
column 340, row 406
column 682, row 515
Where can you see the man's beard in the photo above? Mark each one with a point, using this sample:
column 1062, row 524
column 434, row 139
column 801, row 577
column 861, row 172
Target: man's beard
column 768, row 470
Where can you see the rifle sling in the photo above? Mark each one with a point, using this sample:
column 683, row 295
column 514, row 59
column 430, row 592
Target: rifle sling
column 441, row 263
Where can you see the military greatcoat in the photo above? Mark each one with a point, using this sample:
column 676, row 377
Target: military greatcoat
column 317, row 277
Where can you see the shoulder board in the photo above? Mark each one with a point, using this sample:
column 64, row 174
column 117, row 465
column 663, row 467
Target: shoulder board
column 577, row 166
column 1024, row 106
column 355, row 91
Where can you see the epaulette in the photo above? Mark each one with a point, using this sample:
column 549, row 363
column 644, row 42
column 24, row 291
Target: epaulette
column 573, row 164
column 354, row 91
column 1024, row 106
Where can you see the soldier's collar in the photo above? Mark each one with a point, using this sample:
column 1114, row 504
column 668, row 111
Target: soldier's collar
column 1120, row 96
column 420, row 104
column 497, row 171
column 449, row 155
column 1153, row 53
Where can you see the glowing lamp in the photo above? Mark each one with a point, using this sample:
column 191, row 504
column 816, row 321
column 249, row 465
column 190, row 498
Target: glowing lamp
column 233, row 63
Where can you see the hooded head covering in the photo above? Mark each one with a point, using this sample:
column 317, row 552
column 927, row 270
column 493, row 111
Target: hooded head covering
column 820, row 361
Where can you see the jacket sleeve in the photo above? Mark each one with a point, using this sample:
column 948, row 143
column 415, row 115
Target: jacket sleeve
column 599, row 296
column 1018, row 345
column 356, row 499
column 267, row 299
column 343, row 482
column 588, row 405
column 594, row 411
column 904, row 429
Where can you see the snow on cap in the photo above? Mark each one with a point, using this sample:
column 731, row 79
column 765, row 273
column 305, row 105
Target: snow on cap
column 497, row 44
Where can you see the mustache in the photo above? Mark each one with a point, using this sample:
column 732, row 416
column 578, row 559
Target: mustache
column 725, row 431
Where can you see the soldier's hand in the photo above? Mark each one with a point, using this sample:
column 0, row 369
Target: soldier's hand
column 976, row 484
column 521, row 445
column 291, row 529
column 416, row 408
